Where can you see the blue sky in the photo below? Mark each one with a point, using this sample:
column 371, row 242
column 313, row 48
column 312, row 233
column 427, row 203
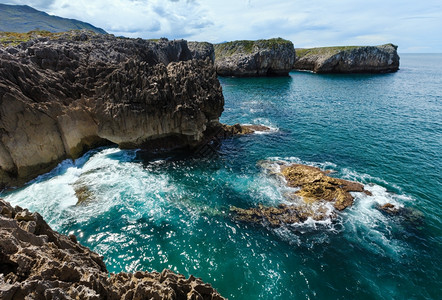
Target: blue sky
column 416, row 26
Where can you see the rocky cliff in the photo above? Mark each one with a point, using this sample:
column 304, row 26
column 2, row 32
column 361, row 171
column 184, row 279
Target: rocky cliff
column 202, row 50
column 39, row 263
column 64, row 94
column 350, row 59
column 273, row 57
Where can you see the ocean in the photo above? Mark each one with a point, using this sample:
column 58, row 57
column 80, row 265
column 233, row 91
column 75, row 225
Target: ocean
column 150, row 212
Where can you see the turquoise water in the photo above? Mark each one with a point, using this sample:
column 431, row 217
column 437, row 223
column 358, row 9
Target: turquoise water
column 385, row 131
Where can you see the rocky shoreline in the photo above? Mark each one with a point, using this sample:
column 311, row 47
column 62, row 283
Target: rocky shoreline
column 39, row 263
column 64, row 94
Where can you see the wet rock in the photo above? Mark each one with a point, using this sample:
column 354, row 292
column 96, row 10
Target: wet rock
column 350, row 59
column 315, row 192
column 43, row 264
column 273, row 57
column 278, row 216
column 315, row 185
column 239, row 129
column 63, row 95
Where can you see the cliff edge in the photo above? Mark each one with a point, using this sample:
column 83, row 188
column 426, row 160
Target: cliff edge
column 273, row 57
column 348, row 59
column 63, row 94
column 39, row 263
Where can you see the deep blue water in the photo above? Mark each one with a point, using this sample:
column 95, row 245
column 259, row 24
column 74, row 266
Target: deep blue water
column 384, row 131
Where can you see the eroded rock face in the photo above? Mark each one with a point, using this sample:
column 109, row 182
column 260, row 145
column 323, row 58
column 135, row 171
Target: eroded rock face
column 367, row 59
column 274, row 57
column 316, row 191
column 39, row 263
column 202, row 50
column 60, row 97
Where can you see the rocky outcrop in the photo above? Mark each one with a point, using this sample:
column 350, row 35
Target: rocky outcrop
column 39, row 263
column 273, row 57
column 239, row 129
column 63, row 95
column 202, row 50
column 350, row 59
column 314, row 187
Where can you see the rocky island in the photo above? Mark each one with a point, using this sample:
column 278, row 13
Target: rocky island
column 273, row 57
column 62, row 94
column 315, row 190
column 348, row 59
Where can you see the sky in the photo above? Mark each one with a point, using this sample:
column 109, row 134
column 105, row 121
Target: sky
column 415, row 26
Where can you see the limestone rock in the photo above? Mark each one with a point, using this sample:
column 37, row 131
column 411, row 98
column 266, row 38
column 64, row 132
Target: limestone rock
column 350, row 59
column 315, row 189
column 273, row 57
column 39, row 263
column 315, row 185
column 202, row 50
column 64, row 94
column 239, row 129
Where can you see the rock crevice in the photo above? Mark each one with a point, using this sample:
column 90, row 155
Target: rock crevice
column 39, row 263
column 64, row 95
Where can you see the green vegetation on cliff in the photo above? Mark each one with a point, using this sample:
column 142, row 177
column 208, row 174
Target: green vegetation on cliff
column 301, row 52
column 244, row 46
column 15, row 38
column 23, row 18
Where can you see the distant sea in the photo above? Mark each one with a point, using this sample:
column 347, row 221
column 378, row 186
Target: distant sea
column 149, row 212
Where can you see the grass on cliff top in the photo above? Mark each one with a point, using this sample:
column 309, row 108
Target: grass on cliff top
column 15, row 38
column 300, row 52
column 246, row 46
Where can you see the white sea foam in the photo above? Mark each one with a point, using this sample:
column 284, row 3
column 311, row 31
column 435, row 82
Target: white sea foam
column 110, row 178
column 363, row 222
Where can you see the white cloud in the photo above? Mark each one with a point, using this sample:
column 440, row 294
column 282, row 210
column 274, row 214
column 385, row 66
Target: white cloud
column 410, row 24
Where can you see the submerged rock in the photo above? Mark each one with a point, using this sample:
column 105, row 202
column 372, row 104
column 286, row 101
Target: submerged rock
column 67, row 93
column 349, row 59
column 316, row 191
column 281, row 215
column 39, row 263
column 273, row 57
column 239, row 129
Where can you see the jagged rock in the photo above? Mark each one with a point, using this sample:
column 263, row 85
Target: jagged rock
column 39, row 263
column 273, row 57
column 278, row 216
column 315, row 185
column 64, row 94
column 202, row 50
column 315, row 189
column 238, row 129
column 349, row 59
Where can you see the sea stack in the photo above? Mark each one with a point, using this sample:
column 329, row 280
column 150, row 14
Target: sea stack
column 273, row 57
column 348, row 59
column 66, row 93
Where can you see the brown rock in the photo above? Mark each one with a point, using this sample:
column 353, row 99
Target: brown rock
column 238, row 129
column 42, row 264
column 315, row 185
column 315, row 189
